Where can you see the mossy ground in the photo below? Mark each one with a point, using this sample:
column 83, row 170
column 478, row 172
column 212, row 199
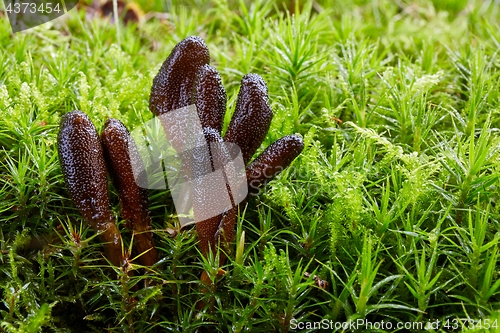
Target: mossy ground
column 393, row 201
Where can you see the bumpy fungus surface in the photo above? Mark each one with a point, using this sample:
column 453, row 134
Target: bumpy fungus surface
column 252, row 116
column 210, row 98
column 84, row 170
column 173, row 86
column 209, row 229
column 185, row 78
column 133, row 199
column 272, row 161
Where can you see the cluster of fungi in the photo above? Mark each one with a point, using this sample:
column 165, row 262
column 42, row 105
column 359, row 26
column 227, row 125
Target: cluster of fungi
column 185, row 78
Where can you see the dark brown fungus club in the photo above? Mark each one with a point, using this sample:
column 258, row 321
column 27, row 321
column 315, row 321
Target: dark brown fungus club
column 210, row 98
column 252, row 116
column 185, row 78
column 84, row 170
column 174, row 84
column 272, row 161
column 133, row 199
column 207, row 228
column 220, row 228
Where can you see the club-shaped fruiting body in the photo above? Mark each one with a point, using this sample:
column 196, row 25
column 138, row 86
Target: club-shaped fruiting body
column 84, row 170
column 133, row 199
